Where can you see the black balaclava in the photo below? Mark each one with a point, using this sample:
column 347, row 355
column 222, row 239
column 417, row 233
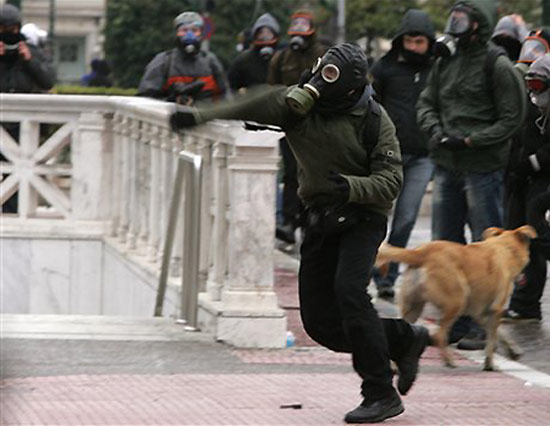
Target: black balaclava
column 346, row 64
column 10, row 16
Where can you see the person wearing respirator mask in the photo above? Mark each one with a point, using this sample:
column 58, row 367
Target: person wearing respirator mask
column 528, row 181
column 185, row 64
column 471, row 116
column 251, row 66
column 286, row 67
column 348, row 192
column 23, row 67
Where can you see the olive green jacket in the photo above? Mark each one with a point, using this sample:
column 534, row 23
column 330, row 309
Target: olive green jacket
column 322, row 144
column 461, row 99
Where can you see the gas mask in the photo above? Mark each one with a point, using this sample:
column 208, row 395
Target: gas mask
column 533, row 48
column 334, row 82
column 539, row 90
column 264, row 41
column 300, row 29
column 189, row 43
column 11, row 42
column 457, row 32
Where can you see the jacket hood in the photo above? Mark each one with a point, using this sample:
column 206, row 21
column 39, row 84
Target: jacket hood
column 508, row 26
column 266, row 20
column 541, row 66
column 416, row 21
column 485, row 13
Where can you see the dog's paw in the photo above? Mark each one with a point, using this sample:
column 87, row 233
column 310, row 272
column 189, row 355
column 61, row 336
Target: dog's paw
column 514, row 353
column 489, row 366
column 450, row 364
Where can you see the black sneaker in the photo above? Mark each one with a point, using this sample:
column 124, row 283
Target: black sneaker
column 386, row 292
column 376, row 411
column 511, row 316
column 408, row 364
column 475, row 340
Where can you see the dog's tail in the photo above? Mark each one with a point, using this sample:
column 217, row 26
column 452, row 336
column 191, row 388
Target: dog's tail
column 387, row 254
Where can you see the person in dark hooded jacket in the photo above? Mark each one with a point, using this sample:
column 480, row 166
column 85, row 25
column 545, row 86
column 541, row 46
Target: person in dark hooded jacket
column 509, row 34
column 471, row 117
column 23, row 66
column 528, row 179
column 398, row 79
column 250, row 67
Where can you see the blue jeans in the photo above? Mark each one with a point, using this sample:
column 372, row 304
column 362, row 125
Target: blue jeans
column 417, row 172
column 465, row 198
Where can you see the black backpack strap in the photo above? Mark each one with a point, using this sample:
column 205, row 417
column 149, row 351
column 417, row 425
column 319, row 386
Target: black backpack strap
column 371, row 128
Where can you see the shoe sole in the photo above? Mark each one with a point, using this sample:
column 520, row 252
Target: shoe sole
column 394, row 411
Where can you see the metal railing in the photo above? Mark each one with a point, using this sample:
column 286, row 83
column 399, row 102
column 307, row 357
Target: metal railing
column 188, row 172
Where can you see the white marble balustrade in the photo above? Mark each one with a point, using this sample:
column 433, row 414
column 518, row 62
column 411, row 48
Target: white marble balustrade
column 117, row 186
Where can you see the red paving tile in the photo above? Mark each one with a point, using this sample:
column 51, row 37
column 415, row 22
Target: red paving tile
column 455, row 398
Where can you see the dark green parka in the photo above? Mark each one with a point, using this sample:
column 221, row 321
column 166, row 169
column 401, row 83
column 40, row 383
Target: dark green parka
column 463, row 100
column 324, row 143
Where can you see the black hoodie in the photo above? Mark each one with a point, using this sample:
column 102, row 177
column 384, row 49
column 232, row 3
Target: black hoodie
column 398, row 83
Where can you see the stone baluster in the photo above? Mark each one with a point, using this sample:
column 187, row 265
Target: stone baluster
column 154, row 195
column 166, row 163
column 144, row 188
column 177, row 248
column 125, row 167
column 204, row 149
column 133, row 158
column 218, row 237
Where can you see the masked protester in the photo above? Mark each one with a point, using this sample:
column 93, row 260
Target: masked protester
column 286, row 67
column 348, row 191
column 398, row 79
column 470, row 109
column 251, row 66
column 23, row 67
column 173, row 75
column 509, row 34
column 527, row 182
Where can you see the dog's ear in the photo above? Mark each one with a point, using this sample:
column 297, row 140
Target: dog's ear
column 527, row 232
column 492, row 232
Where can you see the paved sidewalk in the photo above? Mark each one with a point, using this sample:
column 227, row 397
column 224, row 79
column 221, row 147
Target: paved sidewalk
column 118, row 371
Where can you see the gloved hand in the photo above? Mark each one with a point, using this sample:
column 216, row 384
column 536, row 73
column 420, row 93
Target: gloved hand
column 435, row 139
column 453, row 143
column 339, row 188
column 182, row 118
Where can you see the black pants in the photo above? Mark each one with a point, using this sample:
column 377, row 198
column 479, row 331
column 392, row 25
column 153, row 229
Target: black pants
column 529, row 288
column 336, row 309
column 292, row 206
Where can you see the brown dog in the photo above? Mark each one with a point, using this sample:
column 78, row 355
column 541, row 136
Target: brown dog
column 474, row 279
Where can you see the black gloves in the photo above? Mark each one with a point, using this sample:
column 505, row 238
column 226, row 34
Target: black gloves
column 450, row 142
column 182, row 118
column 453, row 143
column 339, row 189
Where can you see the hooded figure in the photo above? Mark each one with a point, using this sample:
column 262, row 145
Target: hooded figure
column 174, row 72
column 251, row 66
column 398, row 79
column 348, row 189
column 527, row 195
column 23, row 67
column 509, row 33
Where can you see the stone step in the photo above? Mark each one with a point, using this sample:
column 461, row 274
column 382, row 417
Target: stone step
column 96, row 327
